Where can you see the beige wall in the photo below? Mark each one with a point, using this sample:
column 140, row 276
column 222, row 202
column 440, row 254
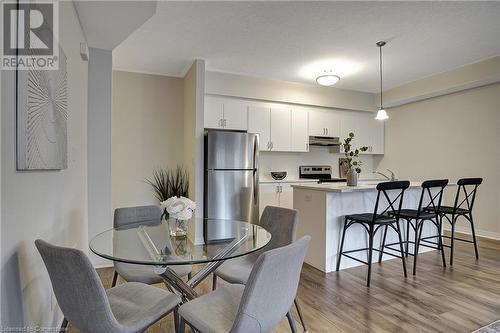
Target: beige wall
column 194, row 93
column 51, row 205
column 147, row 132
column 467, row 77
column 452, row 136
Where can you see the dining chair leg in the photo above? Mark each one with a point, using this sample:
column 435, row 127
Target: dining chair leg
column 115, row 278
column 370, row 252
column 301, row 317
column 341, row 245
column 181, row 325
column 381, row 252
column 291, row 322
column 440, row 240
column 473, row 236
column 64, row 326
column 408, row 224
column 176, row 321
column 214, row 281
column 453, row 220
column 420, row 227
column 398, row 231
column 190, row 275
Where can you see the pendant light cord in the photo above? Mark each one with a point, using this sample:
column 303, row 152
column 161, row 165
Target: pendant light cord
column 381, row 104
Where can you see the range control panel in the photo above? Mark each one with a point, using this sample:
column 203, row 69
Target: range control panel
column 315, row 171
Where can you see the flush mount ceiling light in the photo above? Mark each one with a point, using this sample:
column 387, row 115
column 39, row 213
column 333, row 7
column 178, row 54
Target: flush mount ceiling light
column 327, row 79
column 381, row 113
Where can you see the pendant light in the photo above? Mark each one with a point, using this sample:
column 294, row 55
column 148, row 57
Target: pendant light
column 381, row 113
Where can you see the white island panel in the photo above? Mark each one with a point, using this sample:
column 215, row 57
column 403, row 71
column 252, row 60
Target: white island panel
column 321, row 214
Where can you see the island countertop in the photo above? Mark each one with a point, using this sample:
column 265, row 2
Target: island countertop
column 343, row 188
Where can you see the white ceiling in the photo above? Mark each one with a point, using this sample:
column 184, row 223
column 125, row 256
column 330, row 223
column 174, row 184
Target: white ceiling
column 107, row 23
column 286, row 40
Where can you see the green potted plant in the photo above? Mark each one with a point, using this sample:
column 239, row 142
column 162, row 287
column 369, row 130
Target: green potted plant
column 171, row 189
column 352, row 160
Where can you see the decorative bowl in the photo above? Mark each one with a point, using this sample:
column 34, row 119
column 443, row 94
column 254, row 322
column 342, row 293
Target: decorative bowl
column 278, row 175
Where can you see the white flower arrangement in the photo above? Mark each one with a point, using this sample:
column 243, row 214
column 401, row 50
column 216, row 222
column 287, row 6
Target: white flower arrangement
column 180, row 208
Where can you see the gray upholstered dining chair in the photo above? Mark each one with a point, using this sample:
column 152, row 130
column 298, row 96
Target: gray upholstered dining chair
column 142, row 215
column 127, row 308
column 282, row 224
column 257, row 307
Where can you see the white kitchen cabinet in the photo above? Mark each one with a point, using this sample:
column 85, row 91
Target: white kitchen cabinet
column 273, row 126
column 286, row 195
column 324, row 123
column 225, row 114
column 268, row 196
column 235, row 115
column 276, row 194
column 281, row 129
column 299, row 131
column 259, row 122
column 214, row 113
column 377, row 137
column 367, row 132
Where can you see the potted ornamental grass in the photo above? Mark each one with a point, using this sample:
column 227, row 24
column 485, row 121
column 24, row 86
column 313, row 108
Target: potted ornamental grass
column 352, row 161
column 171, row 188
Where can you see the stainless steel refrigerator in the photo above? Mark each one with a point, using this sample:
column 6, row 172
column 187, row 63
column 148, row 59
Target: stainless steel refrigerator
column 231, row 189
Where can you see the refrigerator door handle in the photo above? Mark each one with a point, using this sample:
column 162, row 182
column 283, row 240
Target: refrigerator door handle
column 255, row 169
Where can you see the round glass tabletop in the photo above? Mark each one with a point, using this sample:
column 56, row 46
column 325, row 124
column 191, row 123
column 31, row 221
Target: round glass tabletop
column 154, row 243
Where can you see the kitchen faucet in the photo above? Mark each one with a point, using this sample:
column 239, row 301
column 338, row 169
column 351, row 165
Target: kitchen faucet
column 391, row 178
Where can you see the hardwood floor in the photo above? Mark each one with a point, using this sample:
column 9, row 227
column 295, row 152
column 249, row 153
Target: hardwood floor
column 461, row 298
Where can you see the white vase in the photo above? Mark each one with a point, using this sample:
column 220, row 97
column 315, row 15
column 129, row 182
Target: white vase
column 352, row 177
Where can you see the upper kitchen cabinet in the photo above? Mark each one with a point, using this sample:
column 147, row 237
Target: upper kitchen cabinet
column 299, row 131
column 225, row 114
column 214, row 113
column 281, row 134
column 259, row 122
column 273, row 126
column 367, row 131
column 324, row 123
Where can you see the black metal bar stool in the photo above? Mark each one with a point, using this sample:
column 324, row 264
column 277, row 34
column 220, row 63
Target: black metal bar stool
column 372, row 222
column 415, row 219
column 464, row 202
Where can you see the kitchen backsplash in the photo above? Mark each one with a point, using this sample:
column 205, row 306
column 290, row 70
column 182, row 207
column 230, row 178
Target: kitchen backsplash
column 289, row 162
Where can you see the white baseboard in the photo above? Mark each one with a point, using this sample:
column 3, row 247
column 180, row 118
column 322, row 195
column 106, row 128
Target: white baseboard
column 480, row 233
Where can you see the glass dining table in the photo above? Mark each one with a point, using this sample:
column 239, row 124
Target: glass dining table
column 151, row 243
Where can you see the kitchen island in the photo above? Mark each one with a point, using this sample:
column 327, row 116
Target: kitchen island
column 322, row 208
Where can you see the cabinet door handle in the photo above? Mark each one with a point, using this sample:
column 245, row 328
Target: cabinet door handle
column 225, row 122
column 326, row 131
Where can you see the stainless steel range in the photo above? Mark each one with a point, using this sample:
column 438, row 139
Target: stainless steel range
column 321, row 172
